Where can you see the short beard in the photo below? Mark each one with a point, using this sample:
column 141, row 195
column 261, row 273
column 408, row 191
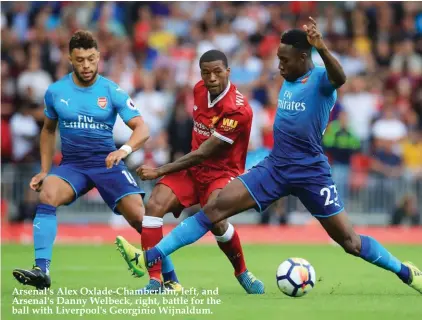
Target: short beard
column 82, row 80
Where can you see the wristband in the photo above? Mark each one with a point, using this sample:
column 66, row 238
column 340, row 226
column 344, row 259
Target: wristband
column 126, row 148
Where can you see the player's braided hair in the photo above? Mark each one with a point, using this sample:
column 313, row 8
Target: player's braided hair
column 82, row 39
column 214, row 55
column 297, row 39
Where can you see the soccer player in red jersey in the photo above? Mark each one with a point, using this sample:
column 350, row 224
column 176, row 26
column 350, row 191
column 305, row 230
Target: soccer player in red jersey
column 222, row 124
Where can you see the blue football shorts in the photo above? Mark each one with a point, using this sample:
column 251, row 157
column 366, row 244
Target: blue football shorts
column 113, row 184
column 313, row 185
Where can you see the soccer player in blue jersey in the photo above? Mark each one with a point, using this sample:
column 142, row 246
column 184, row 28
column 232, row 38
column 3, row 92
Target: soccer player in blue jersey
column 295, row 166
column 84, row 105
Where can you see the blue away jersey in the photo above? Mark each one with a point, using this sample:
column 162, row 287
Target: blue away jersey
column 86, row 117
column 303, row 112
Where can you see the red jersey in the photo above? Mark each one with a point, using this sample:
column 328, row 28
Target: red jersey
column 229, row 118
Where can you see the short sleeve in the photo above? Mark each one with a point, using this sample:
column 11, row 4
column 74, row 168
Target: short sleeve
column 231, row 125
column 49, row 110
column 326, row 86
column 124, row 104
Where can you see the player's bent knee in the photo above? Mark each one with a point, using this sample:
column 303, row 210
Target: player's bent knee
column 55, row 194
column 46, row 197
column 136, row 224
column 220, row 227
column 351, row 245
column 215, row 211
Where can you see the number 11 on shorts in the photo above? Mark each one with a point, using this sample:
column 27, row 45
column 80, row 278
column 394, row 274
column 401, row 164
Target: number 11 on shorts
column 129, row 177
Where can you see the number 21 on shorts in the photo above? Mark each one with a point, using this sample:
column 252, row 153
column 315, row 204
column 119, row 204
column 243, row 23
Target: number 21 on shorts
column 326, row 192
column 129, row 177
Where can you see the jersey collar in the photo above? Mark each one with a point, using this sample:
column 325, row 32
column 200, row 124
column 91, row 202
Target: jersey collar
column 306, row 75
column 221, row 96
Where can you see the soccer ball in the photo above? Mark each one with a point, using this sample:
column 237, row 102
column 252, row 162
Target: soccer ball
column 295, row 277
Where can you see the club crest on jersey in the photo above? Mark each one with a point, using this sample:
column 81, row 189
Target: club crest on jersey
column 102, row 102
column 304, row 80
column 214, row 121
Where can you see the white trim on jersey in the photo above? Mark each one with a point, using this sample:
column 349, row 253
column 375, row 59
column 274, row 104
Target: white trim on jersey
column 331, row 109
column 221, row 96
column 221, row 137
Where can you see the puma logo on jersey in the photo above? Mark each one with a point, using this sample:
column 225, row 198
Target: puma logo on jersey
column 195, row 108
column 65, row 101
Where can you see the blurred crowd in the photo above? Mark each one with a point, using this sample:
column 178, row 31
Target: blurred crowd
column 151, row 49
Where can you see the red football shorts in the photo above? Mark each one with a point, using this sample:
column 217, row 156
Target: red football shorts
column 192, row 187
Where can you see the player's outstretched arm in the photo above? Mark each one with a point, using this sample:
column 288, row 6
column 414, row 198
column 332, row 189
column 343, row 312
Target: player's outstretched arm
column 334, row 69
column 207, row 149
column 140, row 133
column 47, row 143
column 139, row 136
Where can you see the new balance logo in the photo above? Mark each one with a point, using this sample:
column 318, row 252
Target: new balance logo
column 236, row 256
column 65, row 101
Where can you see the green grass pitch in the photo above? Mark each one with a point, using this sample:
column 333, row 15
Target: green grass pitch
column 347, row 287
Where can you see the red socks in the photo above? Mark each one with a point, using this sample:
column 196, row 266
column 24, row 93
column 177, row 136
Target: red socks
column 152, row 233
column 229, row 243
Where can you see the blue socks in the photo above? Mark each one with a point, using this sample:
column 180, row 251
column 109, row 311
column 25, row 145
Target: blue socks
column 373, row 252
column 43, row 264
column 187, row 232
column 44, row 230
column 193, row 228
column 167, row 270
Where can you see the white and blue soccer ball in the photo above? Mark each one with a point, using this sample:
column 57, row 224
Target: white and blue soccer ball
column 295, row 277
